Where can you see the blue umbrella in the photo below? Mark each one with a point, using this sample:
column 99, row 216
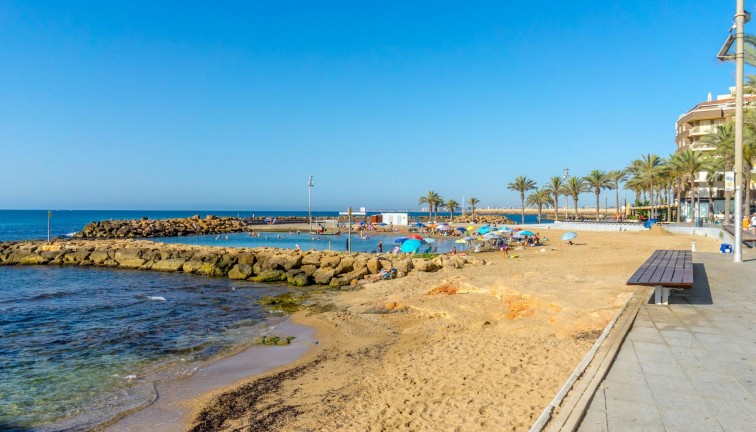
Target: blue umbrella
column 429, row 240
column 504, row 229
column 460, row 229
column 526, row 233
column 420, row 225
column 484, row 229
column 400, row 240
column 411, row 245
column 569, row 235
column 383, row 224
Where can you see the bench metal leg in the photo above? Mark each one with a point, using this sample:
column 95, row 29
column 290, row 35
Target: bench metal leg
column 661, row 295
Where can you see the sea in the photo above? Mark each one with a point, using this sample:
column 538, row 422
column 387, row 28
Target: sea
column 79, row 346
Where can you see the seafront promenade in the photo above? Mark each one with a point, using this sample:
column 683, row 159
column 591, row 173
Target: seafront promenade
column 689, row 366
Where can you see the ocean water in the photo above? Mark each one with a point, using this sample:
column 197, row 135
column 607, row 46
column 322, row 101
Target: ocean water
column 78, row 345
column 32, row 224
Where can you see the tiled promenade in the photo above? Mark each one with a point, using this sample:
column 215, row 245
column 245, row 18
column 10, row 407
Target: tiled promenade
column 689, row 366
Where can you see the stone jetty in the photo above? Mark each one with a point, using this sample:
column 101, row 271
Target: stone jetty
column 298, row 268
column 145, row 228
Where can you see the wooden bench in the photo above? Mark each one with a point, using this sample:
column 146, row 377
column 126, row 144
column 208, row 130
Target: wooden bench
column 665, row 269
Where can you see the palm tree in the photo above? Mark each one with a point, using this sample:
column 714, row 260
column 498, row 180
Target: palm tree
column 451, row 205
column 597, row 180
column 540, row 198
column 431, row 198
column 575, row 186
column 616, row 177
column 437, row 202
column 723, row 140
column 522, row 184
column 647, row 169
column 690, row 162
column 473, row 201
column 555, row 187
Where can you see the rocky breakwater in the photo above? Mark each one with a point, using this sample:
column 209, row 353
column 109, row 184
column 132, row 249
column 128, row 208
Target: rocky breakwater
column 161, row 227
column 298, row 268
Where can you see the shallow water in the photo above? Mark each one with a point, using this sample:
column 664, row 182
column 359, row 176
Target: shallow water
column 85, row 343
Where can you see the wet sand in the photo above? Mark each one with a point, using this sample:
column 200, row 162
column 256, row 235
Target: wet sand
column 177, row 399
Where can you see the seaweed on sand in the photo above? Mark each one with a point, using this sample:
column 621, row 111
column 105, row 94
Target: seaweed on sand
column 246, row 405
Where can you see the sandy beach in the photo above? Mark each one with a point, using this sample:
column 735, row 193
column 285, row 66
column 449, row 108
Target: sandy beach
column 480, row 348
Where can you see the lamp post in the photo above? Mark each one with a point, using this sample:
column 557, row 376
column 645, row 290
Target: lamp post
column 741, row 17
column 566, row 174
column 49, row 216
column 310, row 184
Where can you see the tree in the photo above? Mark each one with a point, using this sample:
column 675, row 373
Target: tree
column 522, row 184
column 432, row 199
column 690, row 162
column 555, row 187
column 723, row 141
column 538, row 199
column 647, row 169
column 597, row 180
column 473, row 201
column 575, row 186
column 616, row 177
column 451, row 205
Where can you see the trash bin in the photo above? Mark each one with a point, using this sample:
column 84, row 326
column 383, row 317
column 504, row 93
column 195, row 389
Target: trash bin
column 725, row 248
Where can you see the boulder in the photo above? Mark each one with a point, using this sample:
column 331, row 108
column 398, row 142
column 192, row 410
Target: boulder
column 375, row 265
column 424, row 265
column 403, row 265
column 330, row 261
column 323, row 276
column 357, row 274
column 297, row 278
column 240, row 271
column 246, row 258
column 312, row 258
column 270, row 276
column 169, row 265
column 75, row 257
column 31, row 259
column 99, row 256
column 308, row 269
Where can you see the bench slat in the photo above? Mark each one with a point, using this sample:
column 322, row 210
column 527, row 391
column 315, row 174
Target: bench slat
column 671, row 268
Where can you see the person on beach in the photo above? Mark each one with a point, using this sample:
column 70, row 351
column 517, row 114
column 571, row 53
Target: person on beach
column 453, row 250
column 380, row 246
column 505, row 249
column 297, row 248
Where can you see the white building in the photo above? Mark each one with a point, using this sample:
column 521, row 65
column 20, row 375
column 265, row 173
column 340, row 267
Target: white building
column 395, row 218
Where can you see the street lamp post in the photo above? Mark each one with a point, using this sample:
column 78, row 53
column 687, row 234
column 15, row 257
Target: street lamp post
column 566, row 173
column 310, row 184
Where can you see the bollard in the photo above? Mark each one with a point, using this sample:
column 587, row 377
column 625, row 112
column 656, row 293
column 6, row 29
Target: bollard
column 692, row 246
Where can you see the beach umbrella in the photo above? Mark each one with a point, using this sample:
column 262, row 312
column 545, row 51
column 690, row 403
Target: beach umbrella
column 429, row 240
column 569, row 235
column 491, row 236
column 415, row 236
column 484, row 229
column 504, row 229
column 460, row 241
column 460, row 229
column 420, row 225
column 471, row 228
column 382, row 224
column 411, row 245
column 444, row 228
column 469, row 238
column 526, row 233
column 400, row 240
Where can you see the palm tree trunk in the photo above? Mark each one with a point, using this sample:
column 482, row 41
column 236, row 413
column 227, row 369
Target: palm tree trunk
column 575, row 198
column 556, row 207
column 616, row 197
column 747, row 186
column 728, row 197
column 597, row 206
column 522, row 206
column 679, row 198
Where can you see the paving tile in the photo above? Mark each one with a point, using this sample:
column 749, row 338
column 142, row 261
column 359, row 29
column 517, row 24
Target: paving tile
column 689, row 420
column 670, row 370
column 734, row 415
column 633, row 416
column 663, row 386
column 628, row 391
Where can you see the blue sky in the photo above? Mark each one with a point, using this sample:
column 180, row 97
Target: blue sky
column 231, row 105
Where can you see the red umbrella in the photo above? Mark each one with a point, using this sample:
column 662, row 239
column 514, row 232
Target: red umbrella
column 415, row 236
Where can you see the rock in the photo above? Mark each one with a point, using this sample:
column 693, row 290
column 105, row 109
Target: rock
column 312, row 258
column 308, row 269
column 169, row 265
column 330, row 261
column 357, row 274
column 323, row 276
column 403, row 265
column 192, row 266
column 374, row 265
column 240, row 271
column 424, row 265
column 32, row 259
column 338, row 282
column 297, row 278
column 246, row 258
column 98, row 257
column 270, row 276
column 75, row 257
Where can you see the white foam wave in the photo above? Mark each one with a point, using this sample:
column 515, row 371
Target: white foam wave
column 71, row 234
column 156, row 298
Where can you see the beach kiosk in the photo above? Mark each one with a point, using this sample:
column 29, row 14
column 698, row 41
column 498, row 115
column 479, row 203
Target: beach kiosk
column 395, row 219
